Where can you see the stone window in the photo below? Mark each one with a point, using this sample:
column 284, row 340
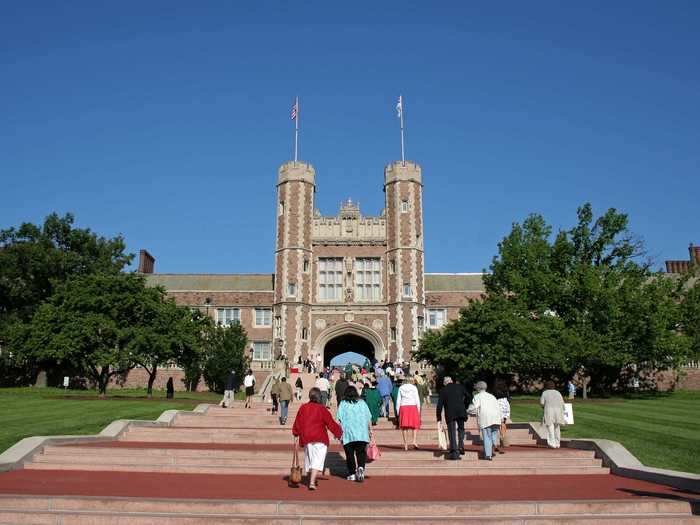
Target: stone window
column 278, row 327
column 330, row 279
column 263, row 317
column 421, row 325
column 407, row 290
column 306, row 265
column 281, row 208
column 404, row 206
column 291, row 290
column 392, row 337
column 304, row 334
column 262, row 351
column 392, row 266
column 367, row 279
column 436, row 317
column 228, row 316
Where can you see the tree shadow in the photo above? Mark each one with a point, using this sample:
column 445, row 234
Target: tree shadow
column 680, row 495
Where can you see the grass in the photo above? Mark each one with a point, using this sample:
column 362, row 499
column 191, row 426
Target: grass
column 52, row 411
column 662, row 430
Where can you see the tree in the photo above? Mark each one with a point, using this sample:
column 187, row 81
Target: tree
column 224, row 351
column 581, row 302
column 35, row 259
column 192, row 357
column 690, row 315
column 91, row 322
column 163, row 333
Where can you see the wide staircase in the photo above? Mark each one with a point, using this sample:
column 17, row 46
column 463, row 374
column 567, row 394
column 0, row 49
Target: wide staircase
column 230, row 466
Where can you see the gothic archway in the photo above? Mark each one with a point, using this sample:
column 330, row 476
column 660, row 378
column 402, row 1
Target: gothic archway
column 347, row 343
column 356, row 329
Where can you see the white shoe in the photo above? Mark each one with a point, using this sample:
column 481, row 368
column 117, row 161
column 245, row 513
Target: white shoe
column 351, row 477
column 360, row 474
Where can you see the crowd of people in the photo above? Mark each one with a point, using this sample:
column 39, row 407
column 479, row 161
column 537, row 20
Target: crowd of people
column 362, row 397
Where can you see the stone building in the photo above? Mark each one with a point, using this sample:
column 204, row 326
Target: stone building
column 345, row 282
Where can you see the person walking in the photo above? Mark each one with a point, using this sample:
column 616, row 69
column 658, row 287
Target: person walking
column 453, row 399
column 384, row 387
column 571, row 387
column 340, row 385
column 285, row 397
column 504, row 404
column 169, row 389
column 373, row 400
column 299, row 386
column 229, row 390
column 310, row 431
column 249, row 384
column 355, row 418
column 553, row 417
column 274, row 394
column 408, row 407
column 485, row 407
column 324, row 387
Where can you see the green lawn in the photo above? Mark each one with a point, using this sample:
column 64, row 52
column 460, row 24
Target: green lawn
column 28, row 412
column 662, row 430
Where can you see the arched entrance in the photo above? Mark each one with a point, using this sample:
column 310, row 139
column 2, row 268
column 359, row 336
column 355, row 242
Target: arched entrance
column 375, row 349
column 347, row 343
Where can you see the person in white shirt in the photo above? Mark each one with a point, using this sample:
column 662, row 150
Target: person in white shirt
column 249, row 384
column 408, row 406
column 485, row 406
column 324, row 386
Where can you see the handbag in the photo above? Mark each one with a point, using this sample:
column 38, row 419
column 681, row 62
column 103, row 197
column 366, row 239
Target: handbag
column 505, row 437
column 295, row 471
column 442, row 437
column 373, row 451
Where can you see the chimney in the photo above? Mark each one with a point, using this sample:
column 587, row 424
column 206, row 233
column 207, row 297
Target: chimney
column 147, row 262
column 694, row 254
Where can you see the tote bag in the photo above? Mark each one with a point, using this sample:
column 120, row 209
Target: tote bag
column 295, row 471
column 442, row 437
column 373, row 451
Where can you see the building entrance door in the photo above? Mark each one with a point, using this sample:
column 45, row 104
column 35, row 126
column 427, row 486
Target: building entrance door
column 347, row 343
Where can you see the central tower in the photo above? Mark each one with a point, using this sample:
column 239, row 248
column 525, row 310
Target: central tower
column 403, row 188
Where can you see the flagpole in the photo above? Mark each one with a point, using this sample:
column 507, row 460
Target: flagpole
column 403, row 158
column 296, row 132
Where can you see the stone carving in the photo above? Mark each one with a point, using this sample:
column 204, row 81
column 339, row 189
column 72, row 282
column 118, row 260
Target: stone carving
column 320, row 324
column 349, row 317
column 348, row 295
column 377, row 324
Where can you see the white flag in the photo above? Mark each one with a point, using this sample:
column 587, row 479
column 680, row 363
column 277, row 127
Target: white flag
column 399, row 107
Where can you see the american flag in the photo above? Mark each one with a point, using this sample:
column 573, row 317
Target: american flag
column 295, row 109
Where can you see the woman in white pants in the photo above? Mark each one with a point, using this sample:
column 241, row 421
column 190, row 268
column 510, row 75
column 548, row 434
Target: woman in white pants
column 553, row 404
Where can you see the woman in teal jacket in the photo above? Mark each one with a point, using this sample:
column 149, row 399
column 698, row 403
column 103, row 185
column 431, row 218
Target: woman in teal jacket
column 355, row 420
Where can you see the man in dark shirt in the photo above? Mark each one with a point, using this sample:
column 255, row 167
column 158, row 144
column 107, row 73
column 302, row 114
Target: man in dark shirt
column 340, row 386
column 454, row 399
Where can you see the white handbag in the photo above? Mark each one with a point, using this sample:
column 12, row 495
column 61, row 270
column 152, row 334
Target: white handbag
column 442, row 437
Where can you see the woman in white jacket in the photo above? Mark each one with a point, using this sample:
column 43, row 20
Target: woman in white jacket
column 408, row 405
column 488, row 411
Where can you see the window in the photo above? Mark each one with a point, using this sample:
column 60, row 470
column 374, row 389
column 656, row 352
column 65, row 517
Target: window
column 278, row 327
column 228, row 316
column 292, row 290
column 367, row 279
column 392, row 266
column 404, row 206
column 262, row 351
column 306, row 265
column 393, row 333
column 263, row 317
column 407, row 290
column 421, row 325
column 304, row 334
column 436, row 318
column 281, row 208
column 330, row 279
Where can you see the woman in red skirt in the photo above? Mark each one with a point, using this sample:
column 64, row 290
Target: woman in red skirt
column 408, row 404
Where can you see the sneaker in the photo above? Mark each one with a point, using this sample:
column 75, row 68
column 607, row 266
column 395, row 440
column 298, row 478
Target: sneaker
column 360, row 474
column 351, row 477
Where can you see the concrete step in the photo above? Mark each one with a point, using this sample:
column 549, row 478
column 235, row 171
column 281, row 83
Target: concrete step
column 446, row 468
column 37, row 510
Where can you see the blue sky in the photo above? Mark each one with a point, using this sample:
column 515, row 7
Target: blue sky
column 166, row 121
